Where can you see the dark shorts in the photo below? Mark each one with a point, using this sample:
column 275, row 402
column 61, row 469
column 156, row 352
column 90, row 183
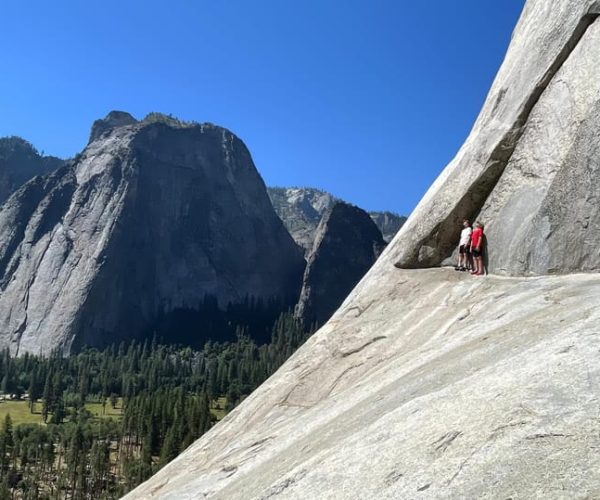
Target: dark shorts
column 464, row 249
column 476, row 253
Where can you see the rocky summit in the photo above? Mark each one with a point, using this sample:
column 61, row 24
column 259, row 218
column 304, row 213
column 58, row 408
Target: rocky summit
column 153, row 217
column 346, row 245
column 430, row 383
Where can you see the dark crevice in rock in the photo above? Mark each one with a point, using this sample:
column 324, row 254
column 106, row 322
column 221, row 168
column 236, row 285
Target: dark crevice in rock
column 358, row 349
column 547, row 435
column 24, row 203
column 230, row 470
column 442, row 240
column 442, row 443
column 28, row 200
column 19, row 331
column 341, row 376
column 58, row 202
column 393, row 477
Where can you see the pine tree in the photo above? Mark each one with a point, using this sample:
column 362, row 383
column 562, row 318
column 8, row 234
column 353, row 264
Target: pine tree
column 47, row 401
column 99, row 465
column 170, row 448
column 4, row 385
column 75, row 458
column 7, row 431
column 32, row 390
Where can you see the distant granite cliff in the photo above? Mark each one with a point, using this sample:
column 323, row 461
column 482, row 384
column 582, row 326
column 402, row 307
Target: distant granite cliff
column 151, row 220
column 19, row 162
column 301, row 210
column 388, row 223
column 347, row 243
column 152, row 217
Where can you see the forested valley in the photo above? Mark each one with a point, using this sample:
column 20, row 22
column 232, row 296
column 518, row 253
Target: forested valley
column 98, row 423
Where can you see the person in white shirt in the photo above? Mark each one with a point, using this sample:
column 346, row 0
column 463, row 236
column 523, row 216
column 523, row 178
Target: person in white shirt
column 464, row 248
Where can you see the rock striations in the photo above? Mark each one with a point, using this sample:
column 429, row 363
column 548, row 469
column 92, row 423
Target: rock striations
column 427, row 383
column 347, row 243
column 301, row 210
column 152, row 217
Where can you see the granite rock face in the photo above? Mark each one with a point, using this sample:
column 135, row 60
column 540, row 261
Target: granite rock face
column 301, row 210
column 544, row 212
column 424, row 384
column 150, row 218
column 388, row 223
column 20, row 162
column 428, row 383
column 530, row 168
column 347, row 243
column 111, row 121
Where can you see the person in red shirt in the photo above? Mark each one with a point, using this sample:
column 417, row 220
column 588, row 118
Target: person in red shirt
column 477, row 249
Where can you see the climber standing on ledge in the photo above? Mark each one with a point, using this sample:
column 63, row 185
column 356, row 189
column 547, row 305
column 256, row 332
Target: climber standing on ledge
column 464, row 248
column 477, row 249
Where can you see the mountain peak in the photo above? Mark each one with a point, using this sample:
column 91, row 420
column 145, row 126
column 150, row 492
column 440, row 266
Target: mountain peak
column 111, row 121
column 140, row 226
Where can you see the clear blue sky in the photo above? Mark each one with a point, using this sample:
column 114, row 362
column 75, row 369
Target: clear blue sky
column 368, row 99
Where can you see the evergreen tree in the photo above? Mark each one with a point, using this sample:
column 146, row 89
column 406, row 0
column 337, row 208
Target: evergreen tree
column 166, row 393
column 170, row 448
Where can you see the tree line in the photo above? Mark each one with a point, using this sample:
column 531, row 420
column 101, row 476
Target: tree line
column 163, row 395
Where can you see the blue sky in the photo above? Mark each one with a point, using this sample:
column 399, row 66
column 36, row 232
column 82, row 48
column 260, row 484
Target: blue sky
column 368, row 99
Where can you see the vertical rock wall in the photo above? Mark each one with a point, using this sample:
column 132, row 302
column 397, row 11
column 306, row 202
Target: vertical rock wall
column 150, row 218
column 549, row 35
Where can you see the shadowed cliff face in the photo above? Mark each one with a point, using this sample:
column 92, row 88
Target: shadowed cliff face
column 428, row 383
column 347, row 243
column 301, row 210
column 19, row 162
column 150, row 218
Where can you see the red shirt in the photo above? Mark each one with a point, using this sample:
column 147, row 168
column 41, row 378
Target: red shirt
column 476, row 237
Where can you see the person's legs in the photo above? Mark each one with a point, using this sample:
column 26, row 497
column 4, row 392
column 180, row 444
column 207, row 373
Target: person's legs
column 474, row 270
column 477, row 263
column 461, row 257
column 481, row 266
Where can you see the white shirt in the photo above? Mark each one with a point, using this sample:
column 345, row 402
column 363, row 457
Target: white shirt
column 465, row 236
